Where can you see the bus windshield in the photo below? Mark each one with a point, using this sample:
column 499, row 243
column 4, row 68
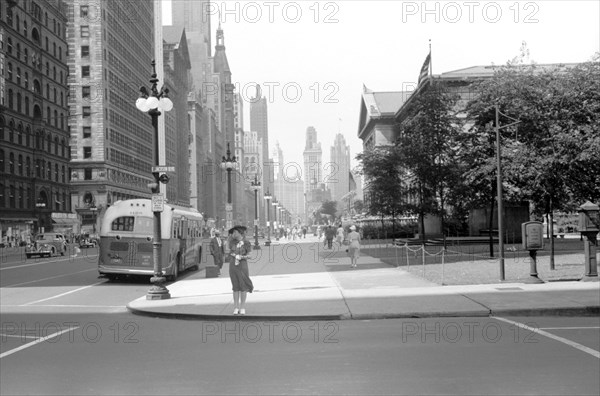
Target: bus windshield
column 139, row 225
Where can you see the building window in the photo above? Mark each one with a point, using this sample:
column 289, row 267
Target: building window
column 10, row 71
column 11, row 163
column 20, row 164
column 86, row 111
column 85, row 50
column 85, row 31
column 87, row 132
column 85, row 92
column 83, row 11
column 85, row 71
column 26, row 80
column 87, row 174
column 9, row 46
column 87, row 152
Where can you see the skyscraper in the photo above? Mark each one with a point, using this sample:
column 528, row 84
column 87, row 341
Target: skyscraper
column 34, row 135
column 259, row 123
column 338, row 178
column 111, row 140
column 313, row 163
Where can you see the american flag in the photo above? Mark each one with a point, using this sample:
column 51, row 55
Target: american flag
column 425, row 69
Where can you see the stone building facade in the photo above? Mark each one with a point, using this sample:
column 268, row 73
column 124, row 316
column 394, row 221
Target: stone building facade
column 34, row 114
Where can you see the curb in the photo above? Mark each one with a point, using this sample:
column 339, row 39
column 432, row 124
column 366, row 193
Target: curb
column 184, row 316
column 564, row 311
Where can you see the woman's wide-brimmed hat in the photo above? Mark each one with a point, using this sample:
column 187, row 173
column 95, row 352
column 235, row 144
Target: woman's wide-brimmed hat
column 239, row 228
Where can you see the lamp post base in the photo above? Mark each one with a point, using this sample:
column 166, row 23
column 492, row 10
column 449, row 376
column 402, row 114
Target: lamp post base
column 158, row 291
column 256, row 246
column 268, row 242
column 590, row 278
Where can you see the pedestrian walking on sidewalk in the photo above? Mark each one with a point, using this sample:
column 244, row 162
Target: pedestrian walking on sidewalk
column 340, row 235
column 217, row 250
column 239, row 249
column 329, row 234
column 354, row 246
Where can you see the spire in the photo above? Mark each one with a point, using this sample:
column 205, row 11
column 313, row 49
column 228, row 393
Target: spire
column 220, row 38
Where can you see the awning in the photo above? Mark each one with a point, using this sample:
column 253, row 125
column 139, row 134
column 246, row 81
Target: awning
column 65, row 221
column 17, row 219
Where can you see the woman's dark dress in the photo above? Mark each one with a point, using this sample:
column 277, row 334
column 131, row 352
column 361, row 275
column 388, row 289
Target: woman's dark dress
column 239, row 274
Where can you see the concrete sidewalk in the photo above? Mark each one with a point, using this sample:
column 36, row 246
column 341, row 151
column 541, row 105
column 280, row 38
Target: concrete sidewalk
column 297, row 280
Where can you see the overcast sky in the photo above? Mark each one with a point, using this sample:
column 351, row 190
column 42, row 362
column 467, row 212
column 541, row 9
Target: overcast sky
column 317, row 55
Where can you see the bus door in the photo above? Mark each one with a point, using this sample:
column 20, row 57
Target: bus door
column 183, row 240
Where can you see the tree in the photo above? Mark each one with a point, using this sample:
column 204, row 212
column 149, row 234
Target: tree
column 359, row 205
column 384, row 182
column 426, row 147
column 551, row 157
column 329, row 208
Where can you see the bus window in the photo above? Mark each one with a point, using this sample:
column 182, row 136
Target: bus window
column 144, row 225
column 123, row 224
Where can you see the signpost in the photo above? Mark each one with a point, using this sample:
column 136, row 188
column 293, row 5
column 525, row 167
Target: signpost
column 532, row 233
column 158, row 169
column 158, row 203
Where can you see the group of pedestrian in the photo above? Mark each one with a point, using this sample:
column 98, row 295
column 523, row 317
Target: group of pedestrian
column 352, row 240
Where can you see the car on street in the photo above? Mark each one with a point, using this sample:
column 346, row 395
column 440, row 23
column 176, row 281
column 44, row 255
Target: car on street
column 46, row 245
column 87, row 243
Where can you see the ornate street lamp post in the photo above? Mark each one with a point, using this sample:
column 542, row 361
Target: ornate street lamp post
column 268, row 198
column 255, row 186
column 152, row 103
column 228, row 163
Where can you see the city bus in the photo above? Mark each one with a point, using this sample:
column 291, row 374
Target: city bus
column 126, row 237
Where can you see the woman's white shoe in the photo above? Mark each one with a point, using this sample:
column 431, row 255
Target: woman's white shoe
column 236, row 311
column 242, row 311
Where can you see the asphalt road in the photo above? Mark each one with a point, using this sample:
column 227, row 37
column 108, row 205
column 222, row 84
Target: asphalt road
column 64, row 331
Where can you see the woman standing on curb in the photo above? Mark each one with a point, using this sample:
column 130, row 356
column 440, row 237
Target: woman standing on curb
column 239, row 249
column 354, row 246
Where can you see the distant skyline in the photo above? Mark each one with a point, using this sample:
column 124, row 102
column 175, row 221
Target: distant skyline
column 312, row 58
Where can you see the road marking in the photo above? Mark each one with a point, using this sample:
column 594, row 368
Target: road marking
column 16, row 336
column 33, row 264
column 52, row 277
column 573, row 344
column 64, row 294
column 569, row 328
column 32, row 343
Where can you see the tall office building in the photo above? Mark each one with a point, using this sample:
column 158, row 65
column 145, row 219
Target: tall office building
column 177, row 123
column 313, row 163
column 338, row 178
column 259, row 123
column 34, row 135
column 111, row 140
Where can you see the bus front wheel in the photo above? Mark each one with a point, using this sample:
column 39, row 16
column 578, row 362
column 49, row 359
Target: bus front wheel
column 176, row 269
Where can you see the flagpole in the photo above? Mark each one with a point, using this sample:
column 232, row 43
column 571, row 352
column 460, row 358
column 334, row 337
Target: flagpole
column 430, row 61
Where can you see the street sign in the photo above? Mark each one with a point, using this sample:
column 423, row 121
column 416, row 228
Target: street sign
column 158, row 204
column 229, row 207
column 157, row 169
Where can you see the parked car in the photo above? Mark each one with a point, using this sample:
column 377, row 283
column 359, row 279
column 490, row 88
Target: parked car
column 46, row 245
column 87, row 242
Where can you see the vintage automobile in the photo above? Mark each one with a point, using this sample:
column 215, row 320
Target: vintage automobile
column 88, row 240
column 46, row 245
column 87, row 243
